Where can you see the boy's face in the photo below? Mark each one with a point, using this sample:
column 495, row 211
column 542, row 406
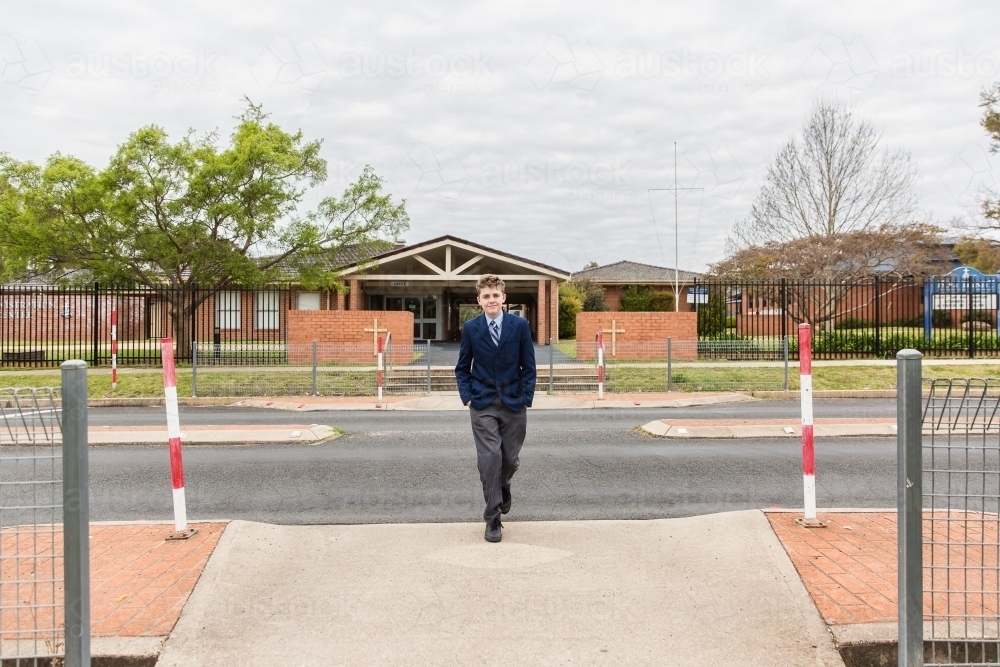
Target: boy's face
column 491, row 299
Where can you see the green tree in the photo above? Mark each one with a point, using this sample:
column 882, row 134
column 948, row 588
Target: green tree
column 978, row 253
column 191, row 214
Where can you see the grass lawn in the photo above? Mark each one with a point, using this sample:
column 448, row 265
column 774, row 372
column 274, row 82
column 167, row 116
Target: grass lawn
column 624, row 379
column 567, row 346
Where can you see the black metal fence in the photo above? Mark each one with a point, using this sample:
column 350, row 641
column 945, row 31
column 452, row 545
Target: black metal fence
column 941, row 316
column 44, row 326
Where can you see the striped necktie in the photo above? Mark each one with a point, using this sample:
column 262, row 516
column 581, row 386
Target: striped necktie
column 495, row 332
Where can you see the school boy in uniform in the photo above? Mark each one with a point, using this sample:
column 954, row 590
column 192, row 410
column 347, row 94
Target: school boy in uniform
column 496, row 380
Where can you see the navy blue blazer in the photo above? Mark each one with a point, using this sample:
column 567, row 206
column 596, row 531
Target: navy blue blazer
column 507, row 370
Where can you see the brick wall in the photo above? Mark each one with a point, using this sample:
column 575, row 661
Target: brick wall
column 639, row 327
column 338, row 327
column 542, row 326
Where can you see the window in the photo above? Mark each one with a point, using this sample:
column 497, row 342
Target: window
column 228, row 314
column 304, row 301
column 266, row 310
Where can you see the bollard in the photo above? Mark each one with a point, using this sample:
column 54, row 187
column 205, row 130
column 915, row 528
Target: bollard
column 808, row 443
column 76, row 514
column 551, row 353
column 600, row 366
column 181, row 530
column 315, row 392
column 670, row 378
column 909, row 507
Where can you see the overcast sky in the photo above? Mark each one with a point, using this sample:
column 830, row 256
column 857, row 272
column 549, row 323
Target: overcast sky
column 537, row 128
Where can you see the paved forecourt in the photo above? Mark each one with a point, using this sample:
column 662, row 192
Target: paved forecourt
column 707, row 590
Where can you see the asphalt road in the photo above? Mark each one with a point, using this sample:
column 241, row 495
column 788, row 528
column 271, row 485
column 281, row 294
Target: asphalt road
column 420, row 466
column 362, row 420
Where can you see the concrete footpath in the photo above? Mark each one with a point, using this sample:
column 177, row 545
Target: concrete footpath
column 737, row 588
column 711, row 590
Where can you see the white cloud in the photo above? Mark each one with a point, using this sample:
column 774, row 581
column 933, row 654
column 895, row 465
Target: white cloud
column 538, row 129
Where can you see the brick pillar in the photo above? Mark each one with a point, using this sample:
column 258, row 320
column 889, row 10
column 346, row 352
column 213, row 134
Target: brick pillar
column 356, row 296
column 542, row 318
column 554, row 310
column 340, row 301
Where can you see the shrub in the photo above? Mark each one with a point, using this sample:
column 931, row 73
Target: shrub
column 569, row 305
column 916, row 321
column 978, row 316
column 854, row 323
column 636, row 299
column 712, row 320
column 941, row 319
column 661, row 302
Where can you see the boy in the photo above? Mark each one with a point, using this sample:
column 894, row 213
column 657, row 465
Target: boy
column 496, row 379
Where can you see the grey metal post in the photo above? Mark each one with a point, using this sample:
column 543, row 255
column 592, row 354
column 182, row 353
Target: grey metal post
column 428, row 365
column 909, row 499
column 76, row 513
column 784, row 351
column 315, row 392
column 551, row 354
column 670, row 379
column 194, row 369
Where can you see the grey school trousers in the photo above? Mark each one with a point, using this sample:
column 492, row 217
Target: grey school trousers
column 499, row 434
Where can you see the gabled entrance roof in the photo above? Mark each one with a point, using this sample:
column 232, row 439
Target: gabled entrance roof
column 451, row 259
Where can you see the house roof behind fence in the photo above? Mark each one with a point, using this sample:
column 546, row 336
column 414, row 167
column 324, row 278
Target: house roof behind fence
column 634, row 272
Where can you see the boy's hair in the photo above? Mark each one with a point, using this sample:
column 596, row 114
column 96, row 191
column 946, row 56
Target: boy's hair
column 489, row 280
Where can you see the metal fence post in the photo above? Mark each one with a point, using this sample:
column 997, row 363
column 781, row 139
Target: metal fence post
column 76, row 513
column 428, row 366
column 784, row 352
column 315, row 391
column 95, row 316
column 670, row 379
column 551, row 360
column 909, row 499
column 194, row 369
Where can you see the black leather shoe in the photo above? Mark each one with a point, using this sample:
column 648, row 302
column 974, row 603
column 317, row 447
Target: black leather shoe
column 494, row 530
column 505, row 505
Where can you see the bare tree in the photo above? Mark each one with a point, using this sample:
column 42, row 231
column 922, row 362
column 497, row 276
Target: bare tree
column 820, row 274
column 834, row 180
column 990, row 100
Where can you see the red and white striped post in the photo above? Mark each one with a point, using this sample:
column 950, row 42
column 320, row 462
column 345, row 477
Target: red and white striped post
column 381, row 368
column 600, row 365
column 808, row 448
column 114, row 350
column 181, row 530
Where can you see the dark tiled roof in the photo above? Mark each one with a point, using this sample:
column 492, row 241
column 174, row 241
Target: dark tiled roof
column 634, row 272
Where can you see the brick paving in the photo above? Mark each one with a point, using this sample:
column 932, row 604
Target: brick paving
column 139, row 581
column 849, row 568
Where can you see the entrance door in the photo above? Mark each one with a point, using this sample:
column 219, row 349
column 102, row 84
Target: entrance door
column 424, row 309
